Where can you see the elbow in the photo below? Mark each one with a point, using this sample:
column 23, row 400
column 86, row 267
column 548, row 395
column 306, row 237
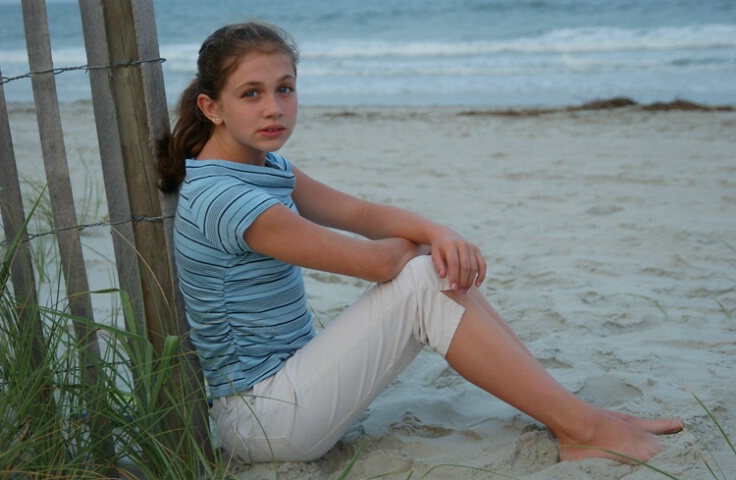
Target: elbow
column 381, row 260
column 386, row 266
column 385, row 270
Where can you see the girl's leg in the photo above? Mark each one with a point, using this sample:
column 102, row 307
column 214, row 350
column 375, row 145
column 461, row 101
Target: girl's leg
column 486, row 352
column 657, row 426
column 300, row 412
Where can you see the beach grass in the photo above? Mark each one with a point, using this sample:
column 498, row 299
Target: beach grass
column 47, row 410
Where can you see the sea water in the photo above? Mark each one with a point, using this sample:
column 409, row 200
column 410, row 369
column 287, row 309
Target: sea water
column 438, row 52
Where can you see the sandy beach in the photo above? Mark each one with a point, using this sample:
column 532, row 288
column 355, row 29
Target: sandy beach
column 611, row 241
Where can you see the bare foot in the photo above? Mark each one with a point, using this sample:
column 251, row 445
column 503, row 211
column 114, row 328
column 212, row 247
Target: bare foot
column 659, row 426
column 608, row 436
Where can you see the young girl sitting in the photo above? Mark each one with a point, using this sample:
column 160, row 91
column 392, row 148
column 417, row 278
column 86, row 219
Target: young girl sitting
column 248, row 220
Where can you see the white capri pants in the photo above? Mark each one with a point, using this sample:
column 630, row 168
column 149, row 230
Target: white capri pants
column 300, row 412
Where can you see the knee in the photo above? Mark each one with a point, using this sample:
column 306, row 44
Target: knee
column 421, row 266
column 425, row 274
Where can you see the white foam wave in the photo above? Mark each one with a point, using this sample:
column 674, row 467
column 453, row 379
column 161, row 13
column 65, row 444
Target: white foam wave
column 579, row 40
column 181, row 58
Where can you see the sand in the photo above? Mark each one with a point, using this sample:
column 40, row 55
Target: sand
column 611, row 241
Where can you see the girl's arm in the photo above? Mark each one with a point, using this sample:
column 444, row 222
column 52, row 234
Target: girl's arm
column 282, row 234
column 452, row 255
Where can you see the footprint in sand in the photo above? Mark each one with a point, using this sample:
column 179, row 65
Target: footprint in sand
column 603, row 209
column 607, row 391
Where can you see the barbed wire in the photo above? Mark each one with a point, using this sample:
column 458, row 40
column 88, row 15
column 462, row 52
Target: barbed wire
column 103, row 223
column 57, row 71
column 86, row 68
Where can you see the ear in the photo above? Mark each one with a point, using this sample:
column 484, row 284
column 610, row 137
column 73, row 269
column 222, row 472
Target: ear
column 209, row 108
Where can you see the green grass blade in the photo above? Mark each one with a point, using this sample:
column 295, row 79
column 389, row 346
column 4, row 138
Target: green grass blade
column 352, row 461
column 715, row 421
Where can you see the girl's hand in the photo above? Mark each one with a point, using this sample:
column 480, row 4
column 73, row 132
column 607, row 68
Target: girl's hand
column 458, row 260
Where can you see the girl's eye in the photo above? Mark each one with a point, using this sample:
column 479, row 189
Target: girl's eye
column 250, row 94
column 285, row 89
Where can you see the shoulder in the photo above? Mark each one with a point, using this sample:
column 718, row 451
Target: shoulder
column 221, row 176
column 214, row 184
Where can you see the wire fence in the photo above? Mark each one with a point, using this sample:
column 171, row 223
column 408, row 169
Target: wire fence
column 102, row 223
column 86, row 68
column 57, row 71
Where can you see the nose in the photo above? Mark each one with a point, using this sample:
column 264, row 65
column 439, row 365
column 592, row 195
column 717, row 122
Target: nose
column 273, row 107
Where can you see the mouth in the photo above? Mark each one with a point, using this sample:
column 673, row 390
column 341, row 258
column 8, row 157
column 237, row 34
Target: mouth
column 272, row 131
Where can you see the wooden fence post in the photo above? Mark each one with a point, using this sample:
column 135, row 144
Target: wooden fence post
column 158, row 122
column 13, row 216
column 123, row 34
column 62, row 203
column 112, row 160
column 20, row 269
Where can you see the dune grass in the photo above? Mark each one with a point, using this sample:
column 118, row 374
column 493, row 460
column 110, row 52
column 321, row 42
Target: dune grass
column 46, row 409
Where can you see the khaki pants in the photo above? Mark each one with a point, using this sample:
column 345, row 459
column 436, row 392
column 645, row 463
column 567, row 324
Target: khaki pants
column 300, row 412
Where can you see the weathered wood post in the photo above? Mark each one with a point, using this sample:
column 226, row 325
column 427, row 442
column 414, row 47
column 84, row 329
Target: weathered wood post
column 131, row 111
column 20, row 269
column 65, row 219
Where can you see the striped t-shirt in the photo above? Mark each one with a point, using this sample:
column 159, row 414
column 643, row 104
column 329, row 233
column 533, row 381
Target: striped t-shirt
column 247, row 312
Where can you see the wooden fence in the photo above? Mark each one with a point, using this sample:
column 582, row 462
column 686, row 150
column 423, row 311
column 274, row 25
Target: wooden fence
column 130, row 110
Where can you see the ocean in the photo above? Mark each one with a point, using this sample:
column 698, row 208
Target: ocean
column 439, row 52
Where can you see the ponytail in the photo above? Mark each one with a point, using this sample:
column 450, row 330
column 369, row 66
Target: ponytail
column 190, row 134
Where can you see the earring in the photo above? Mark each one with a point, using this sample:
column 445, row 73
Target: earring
column 216, row 120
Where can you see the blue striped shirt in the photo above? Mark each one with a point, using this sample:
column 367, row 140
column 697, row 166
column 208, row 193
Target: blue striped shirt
column 247, row 312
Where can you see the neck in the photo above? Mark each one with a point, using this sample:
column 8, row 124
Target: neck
column 217, row 149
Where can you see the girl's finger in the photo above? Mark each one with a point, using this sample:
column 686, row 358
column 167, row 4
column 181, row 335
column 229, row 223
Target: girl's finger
column 439, row 263
column 482, row 268
column 452, row 261
column 465, row 268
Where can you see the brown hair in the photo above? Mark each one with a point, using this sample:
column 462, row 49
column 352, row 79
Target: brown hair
column 218, row 58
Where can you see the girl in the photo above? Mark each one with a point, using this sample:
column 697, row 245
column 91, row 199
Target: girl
column 248, row 220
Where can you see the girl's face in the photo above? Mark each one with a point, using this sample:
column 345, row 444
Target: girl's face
column 257, row 109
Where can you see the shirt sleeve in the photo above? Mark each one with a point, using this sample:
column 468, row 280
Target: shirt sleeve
column 231, row 208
